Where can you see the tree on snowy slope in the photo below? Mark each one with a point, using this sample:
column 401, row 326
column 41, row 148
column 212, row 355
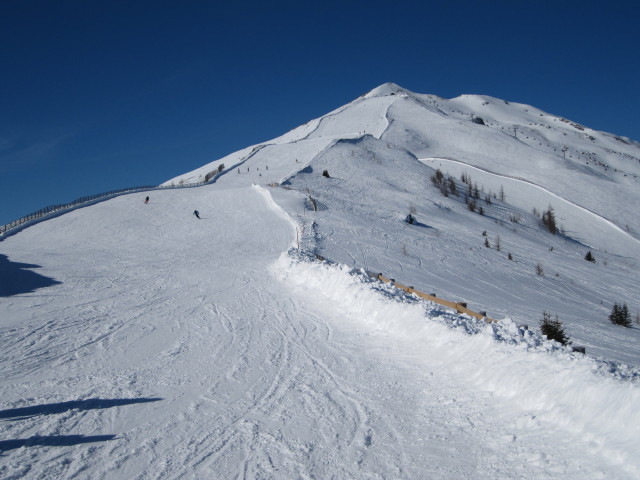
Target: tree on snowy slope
column 549, row 220
column 553, row 329
column 620, row 315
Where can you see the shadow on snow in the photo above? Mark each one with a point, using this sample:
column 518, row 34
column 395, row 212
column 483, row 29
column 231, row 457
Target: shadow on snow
column 54, row 408
column 52, row 441
column 16, row 278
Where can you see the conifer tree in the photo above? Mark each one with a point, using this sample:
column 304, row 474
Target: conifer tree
column 553, row 329
column 549, row 220
column 620, row 315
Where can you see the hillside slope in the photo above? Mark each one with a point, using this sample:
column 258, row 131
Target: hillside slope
column 381, row 151
column 592, row 170
column 168, row 347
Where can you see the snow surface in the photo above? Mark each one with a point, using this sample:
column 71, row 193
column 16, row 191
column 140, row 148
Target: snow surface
column 140, row 342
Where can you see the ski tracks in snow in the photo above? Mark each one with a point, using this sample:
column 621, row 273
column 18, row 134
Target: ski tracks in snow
column 298, row 409
column 257, row 375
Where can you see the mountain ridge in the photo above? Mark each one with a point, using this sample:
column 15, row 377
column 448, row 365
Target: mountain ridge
column 436, row 127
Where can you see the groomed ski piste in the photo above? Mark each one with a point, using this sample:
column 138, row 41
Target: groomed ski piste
column 139, row 342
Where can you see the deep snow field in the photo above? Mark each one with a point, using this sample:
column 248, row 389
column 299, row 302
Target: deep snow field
column 139, row 342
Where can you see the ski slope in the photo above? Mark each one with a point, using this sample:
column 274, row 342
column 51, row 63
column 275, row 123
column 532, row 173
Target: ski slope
column 139, row 342
column 181, row 348
column 377, row 150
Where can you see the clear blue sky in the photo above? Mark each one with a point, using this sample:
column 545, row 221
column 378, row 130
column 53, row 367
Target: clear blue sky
column 101, row 95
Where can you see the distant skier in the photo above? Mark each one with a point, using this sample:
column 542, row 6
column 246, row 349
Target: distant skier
column 197, row 214
column 146, row 200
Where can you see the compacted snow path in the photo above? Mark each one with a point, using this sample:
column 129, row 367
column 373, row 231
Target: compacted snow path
column 149, row 344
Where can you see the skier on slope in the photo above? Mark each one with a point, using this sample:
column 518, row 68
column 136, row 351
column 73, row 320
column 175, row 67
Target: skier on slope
column 197, row 214
column 146, row 200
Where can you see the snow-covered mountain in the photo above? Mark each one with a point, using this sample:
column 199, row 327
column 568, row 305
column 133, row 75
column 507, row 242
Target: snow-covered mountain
column 139, row 341
column 381, row 151
column 591, row 178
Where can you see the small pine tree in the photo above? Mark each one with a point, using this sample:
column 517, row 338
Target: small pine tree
column 486, row 243
column 549, row 220
column 452, row 187
column 496, row 243
column 510, row 257
column 326, row 173
column 589, row 257
column 620, row 315
column 539, row 270
column 437, row 179
column 553, row 329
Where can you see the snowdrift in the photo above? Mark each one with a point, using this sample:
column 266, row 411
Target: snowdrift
column 595, row 401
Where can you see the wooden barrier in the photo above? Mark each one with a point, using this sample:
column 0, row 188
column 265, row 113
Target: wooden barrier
column 460, row 307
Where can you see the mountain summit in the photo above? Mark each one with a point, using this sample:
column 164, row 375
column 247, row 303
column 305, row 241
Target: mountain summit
column 387, row 89
column 590, row 178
